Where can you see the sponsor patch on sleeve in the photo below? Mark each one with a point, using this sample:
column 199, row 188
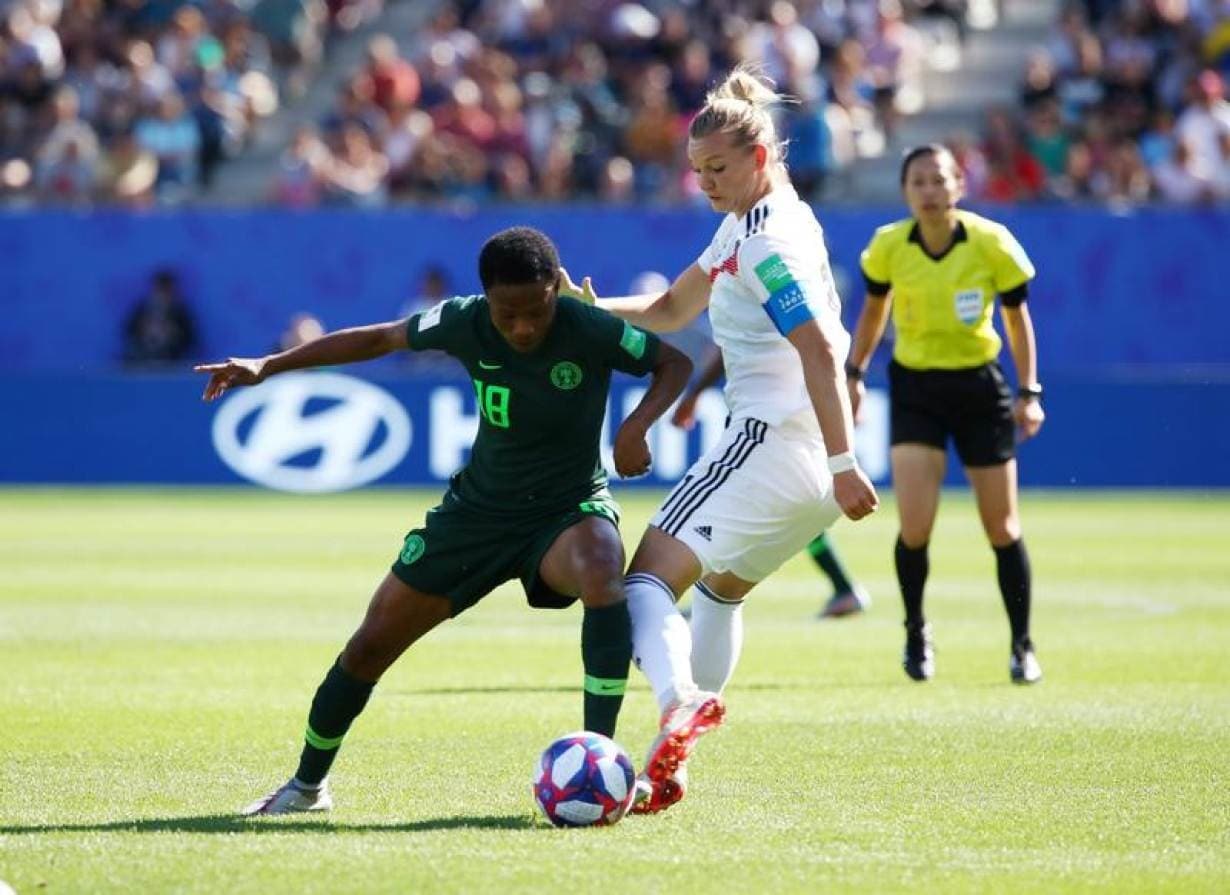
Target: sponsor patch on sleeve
column 632, row 341
column 774, row 273
column 787, row 307
column 430, row 317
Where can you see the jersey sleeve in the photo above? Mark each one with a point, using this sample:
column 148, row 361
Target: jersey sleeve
column 620, row 345
column 442, row 326
column 1010, row 266
column 874, row 261
column 786, row 285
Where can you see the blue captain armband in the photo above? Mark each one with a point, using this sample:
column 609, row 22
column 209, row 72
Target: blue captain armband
column 787, row 307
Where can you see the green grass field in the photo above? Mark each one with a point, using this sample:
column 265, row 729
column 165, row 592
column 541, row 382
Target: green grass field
column 160, row 648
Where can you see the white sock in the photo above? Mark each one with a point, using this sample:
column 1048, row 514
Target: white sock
column 661, row 642
column 717, row 638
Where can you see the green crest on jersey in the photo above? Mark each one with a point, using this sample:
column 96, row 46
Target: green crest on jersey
column 632, row 341
column 566, row 375
column 773, row 272
column 412, row 549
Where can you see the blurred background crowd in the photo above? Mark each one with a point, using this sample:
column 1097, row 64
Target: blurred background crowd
column 135, row 103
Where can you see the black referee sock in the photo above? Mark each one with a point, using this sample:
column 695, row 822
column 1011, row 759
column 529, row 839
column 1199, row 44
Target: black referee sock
column 822, row 552
column 1012, row 566
column 606, row 653
column 339, row 700
column 912, row 568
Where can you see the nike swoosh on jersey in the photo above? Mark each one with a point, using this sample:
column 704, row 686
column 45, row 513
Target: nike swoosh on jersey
column 487, row 366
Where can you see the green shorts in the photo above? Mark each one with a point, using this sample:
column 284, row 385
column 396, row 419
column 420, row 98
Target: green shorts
column 464, row 555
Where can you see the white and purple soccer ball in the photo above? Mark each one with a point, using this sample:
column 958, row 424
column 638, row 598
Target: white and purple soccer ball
column 583, row 779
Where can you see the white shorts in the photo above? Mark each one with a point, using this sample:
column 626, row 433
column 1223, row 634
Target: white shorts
column 753, row 501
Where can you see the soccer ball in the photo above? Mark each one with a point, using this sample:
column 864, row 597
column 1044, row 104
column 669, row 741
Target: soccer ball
column 583, row 779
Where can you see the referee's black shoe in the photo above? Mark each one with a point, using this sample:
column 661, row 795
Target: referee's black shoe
column 1024, row 666
column 919, row 658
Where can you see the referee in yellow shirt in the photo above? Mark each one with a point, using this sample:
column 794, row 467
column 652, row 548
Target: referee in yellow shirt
column 939, row 271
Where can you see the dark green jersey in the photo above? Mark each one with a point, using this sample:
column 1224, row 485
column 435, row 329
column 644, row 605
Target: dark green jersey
column 541, row 413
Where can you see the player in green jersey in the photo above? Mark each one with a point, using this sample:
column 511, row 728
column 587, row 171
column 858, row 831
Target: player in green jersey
column 532, row 502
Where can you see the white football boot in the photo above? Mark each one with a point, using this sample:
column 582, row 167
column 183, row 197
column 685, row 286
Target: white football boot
column 292, row 798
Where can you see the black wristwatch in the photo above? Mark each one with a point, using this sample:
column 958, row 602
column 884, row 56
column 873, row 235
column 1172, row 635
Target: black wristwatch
column 1029, row 392
column 853, row 372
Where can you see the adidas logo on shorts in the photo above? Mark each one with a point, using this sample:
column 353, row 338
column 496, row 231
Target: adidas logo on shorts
column 705, row 531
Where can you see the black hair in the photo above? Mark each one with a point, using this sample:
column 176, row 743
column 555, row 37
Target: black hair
column 919, row 152
column 516, row 256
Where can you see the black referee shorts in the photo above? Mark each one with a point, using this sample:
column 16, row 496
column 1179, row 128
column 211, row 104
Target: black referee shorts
column 972, row 406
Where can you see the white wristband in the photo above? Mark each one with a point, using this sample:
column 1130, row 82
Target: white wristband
column 843, row 462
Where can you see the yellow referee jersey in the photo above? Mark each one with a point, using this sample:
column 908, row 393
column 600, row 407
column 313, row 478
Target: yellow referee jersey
column 942, row 305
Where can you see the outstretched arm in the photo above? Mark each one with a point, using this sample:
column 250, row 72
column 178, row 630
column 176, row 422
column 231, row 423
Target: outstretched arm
column 670, row 374
column 342, row 347
column 662, row 312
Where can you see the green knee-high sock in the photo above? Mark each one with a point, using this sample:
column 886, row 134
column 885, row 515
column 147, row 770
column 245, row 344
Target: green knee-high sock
column 606, row 653
column 826, row 558
column 338, row 701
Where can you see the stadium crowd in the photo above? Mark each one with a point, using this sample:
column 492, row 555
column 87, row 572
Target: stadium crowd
column 126, row 102
column 1124, row 104
column 132, row 103
column 549, row 99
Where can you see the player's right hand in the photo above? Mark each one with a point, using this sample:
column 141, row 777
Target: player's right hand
column 854, row 493
column 631, row 451
column 569, row 289
column 858, row 391
column 235, row 371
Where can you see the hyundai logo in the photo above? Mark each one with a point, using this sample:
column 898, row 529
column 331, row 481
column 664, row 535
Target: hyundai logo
column 360, row 435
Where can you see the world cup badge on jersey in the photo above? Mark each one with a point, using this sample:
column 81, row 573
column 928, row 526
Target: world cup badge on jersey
column 413, row 548
column 968, row 303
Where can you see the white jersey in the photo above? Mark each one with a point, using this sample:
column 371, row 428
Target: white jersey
column 770, row 272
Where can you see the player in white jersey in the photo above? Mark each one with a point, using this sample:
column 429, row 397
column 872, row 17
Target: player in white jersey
column 785, row 467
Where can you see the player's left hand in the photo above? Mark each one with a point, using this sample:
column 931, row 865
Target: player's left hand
column 569, row 289
column 632, row 456
column 1029, row 417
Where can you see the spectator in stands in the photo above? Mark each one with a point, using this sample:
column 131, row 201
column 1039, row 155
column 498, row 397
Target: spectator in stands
column 295, row 30
column 174, row 137
column 1041, row 82
column 1013, row 175
column 66, row 160
column 161, row 328
column 811, row 147
column 1181, row 179
column 893, row 57
column 1128, row 181
column 300, row 178
column 355, row 175
column 1046, row 139
column 128, row 173
column 1203, row 123
column 392, row 81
